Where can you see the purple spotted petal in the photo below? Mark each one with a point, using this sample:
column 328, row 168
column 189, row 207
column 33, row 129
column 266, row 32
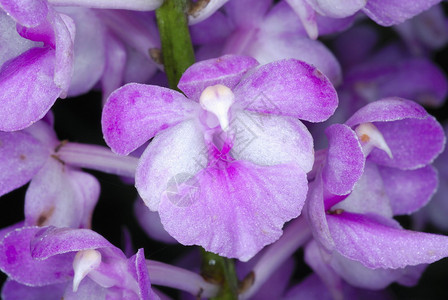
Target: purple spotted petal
column 288, row 87
column 174, row 156
column 408, row 191
column 26, row 12
column 391, row 12
column 27, row 89
column 12, row 290
column 393, row 247
column 226, row 70
column 135, row 113
column 17, row 263
column 21, row 157
column 345, row 160
column 369, row 195
column 384, row 110
column 413, row 142
column 271, row 140
column 49, row 242
column 238, row 209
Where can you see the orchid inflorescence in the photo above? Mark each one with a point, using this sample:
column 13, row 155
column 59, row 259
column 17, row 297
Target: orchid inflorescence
column 300, row 132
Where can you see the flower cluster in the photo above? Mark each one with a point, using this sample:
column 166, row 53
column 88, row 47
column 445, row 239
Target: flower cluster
column 300, row 126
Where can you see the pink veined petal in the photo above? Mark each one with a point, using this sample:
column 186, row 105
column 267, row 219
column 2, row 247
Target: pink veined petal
column 378, row 244
column 226, row 70
column 337, row 8
column 135, row 113
column 385, row 110
column 21, row 157
column 270, row 140
column 288, row 87
column 12, row 290
column 356, row 274
column 89, row 49
column 27, row 89
column 248, row 13
column 28, row 13
column 369, row 195
column 316, row 214
column 237, row 209
column 16, row 261
column 345, row 160
column 52, row 199
column 409, row 191
column 51, row 241
column 205, row 12
column 391, row 12
column 414, row 143
column 173, row 157
column 142, row 5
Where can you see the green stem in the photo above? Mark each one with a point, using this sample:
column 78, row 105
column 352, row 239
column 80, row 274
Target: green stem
column 177, row 49
column 220, row 270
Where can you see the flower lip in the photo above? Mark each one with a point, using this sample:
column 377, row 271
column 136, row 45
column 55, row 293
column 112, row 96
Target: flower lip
column 218, row 99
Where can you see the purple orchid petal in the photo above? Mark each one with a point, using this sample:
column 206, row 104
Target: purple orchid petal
column 337, row 8
column 89, row 49
column 309, row 288
column 271, row 140
column 237, row 209
column 51, row 241
column 213, row 30
column 88, row 289
column 27, row 89
column 137, row 264
column 247, row 13
column 52, row 199
column 164, row 164
column 16, row 260
column 12, row 290
column 88, row 188
column 288, row 87
column 413, row 142
column 307, row 16
column 21, row 157
column 345, row 160
column 115, row 64
column 267, row 49
column 386, row 110
column 135, row 113
column 360, row 276
column 26, row 12
column 142, row 5
column 226, row 70
column 393, row 247
column 151, row 224
column 316, row 216
column 409, row 191
column 369, row 195
column 391, row 12
column 205, row 12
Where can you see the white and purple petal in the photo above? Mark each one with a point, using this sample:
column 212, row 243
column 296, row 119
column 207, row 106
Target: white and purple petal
column 135, row 113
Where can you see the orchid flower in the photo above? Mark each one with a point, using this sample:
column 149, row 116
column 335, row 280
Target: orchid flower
column 227, row 172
